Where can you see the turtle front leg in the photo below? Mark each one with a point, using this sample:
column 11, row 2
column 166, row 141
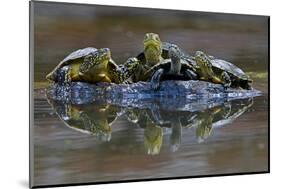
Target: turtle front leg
column 128, row 81
column 246, row 84
column 125, row 72
column 64, row 75
column 155, row 80
column 104, row 78
column 226, row 79
column 190, row 74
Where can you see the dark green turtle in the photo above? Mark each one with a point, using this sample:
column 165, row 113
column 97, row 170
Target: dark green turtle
column 202, row 67
column 177, row 67
column 154, row 52
column 221, row 71
column 92, row 65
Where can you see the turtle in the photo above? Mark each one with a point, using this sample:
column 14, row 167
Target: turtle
column 91, row 65
column 221, row 71
column 153, row 53
column 176, row 67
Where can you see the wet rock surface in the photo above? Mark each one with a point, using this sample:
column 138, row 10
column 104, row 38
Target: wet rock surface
column 186, row 95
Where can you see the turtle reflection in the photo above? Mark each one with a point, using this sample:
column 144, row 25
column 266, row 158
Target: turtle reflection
column 154, row 120
column 95, row 119
column 219, row 117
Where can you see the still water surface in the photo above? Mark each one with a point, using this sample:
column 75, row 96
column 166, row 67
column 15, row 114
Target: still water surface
column 101, row 142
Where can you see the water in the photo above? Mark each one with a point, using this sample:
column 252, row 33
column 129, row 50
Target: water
column 133, row 143
column 62, row 151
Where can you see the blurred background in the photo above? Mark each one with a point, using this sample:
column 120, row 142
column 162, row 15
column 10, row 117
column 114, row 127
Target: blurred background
column 63, row 28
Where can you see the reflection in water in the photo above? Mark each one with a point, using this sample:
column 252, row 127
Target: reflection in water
column 98, row 117
column 93, row 119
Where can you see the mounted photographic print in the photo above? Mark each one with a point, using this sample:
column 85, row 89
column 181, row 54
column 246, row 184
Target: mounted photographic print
column 122, row 94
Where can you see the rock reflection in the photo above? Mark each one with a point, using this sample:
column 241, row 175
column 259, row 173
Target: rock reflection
column 97, row 117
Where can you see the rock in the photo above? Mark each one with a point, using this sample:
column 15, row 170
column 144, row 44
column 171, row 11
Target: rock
column 172, row 94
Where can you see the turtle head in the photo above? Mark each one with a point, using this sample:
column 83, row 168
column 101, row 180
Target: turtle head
column 101, row 57
column 124, row 71
column 151, row 39
column 174, row 53
column 153, row 138
column 203, row 132
column 152, row 48
column 131, row 64
column 203, row 61
column 201, row 57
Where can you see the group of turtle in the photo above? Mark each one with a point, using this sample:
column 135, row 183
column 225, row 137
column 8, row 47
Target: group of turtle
column 158, row 61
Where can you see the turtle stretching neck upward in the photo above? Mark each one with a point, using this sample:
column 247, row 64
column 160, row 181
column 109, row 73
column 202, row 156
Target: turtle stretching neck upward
column 155, row 51
column 152, row 48
column 173, row 68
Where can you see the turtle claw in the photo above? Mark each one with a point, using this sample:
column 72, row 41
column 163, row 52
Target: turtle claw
column 126, row 82
column 155, row 80
column 190, row 74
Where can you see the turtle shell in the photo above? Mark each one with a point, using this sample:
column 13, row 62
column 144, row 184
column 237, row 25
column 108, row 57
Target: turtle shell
column 80, row 53
column 77, row 54
column 68, row 60
column 230, row 68
column 166, row 65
